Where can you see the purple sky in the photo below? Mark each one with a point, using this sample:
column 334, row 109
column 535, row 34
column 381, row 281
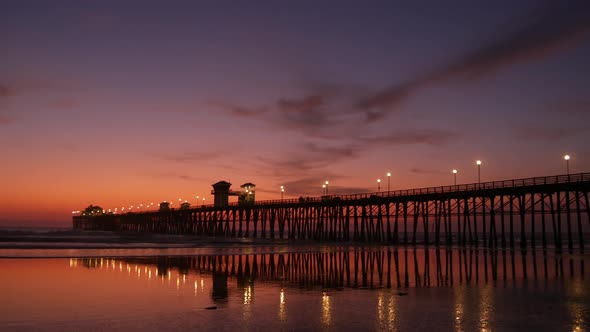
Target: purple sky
column 121, row 102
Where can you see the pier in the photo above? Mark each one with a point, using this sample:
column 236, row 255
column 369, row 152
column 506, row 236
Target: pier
column 532, row 212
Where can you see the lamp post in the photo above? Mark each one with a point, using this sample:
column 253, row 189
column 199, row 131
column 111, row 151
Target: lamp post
column 478, row 163
column 455, row 176
column 197, row 200
column 326, row 187
column 388, row 181
column 282, row 192
column 567, row 163
column 323, row 189
column 203, row 200
column 378, row 185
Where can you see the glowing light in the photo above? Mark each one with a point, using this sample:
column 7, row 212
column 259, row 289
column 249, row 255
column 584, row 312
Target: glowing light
column 478, row 162
column 326, row 310
column 566, row 157
column 388, row 174
column 248, row 295
column 454, row 171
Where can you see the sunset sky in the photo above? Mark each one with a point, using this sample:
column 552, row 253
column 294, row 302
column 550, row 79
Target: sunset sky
column 118, row 103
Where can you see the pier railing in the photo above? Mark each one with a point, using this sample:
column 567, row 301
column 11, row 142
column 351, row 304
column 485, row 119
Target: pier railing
column 515, row 183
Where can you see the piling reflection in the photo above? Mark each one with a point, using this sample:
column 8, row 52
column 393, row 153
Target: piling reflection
column 364, row 268
column 476, row 282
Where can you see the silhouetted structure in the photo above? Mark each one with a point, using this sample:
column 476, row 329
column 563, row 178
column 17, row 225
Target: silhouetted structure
column 503, row 213
column 164, row 206
column 248, row 194
column 221, row 194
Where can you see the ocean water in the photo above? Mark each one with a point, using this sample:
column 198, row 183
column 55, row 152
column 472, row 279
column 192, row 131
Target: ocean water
column 284, row 287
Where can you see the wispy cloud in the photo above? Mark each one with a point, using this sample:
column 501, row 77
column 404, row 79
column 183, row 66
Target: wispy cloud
column 434, row 137
column 550, row 134
column 192, row 157
column 6, row 91
column 4, row 119
column 419, row 170
column 312, row 186
column 570, row 106
column 240, row 111
column 544, row 32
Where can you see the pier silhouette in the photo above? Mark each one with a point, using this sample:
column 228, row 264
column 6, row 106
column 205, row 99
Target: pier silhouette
column 542, row 211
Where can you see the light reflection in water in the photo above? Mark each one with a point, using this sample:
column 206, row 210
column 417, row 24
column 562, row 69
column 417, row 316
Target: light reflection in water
column 282, row 306
column 326, row 310
column 386, row 318
column 459, row 308
column 486, row 308
column 247, row 295
column 247, row 313
column 576, row 308
column 483, row 316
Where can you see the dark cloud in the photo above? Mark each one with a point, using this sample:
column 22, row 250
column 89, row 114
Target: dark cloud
column 241, row 111
column 307, row 113
column 549, row 134
column 6, row 91
column 573, row 107
column 312, row 186
column 332, row 153
column 434, row 137
column 291, row 164
column 542, row 33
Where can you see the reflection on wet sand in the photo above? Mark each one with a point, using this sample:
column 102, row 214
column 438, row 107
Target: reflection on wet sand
column 359, row 268
column 373, row 269
column 385, row 288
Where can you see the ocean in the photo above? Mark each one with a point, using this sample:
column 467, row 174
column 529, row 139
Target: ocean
column 61, row 280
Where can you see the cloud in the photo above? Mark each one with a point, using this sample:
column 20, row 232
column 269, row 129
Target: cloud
column 312, row 186
column 434, row 137
column 574, row 107
column 547, row 31
column 63, row 104
column 332, row 153
column 6, row 91
column 418, row 170
column 192, row 157
column 241, row 111
column 4, row 119
column 549, row 134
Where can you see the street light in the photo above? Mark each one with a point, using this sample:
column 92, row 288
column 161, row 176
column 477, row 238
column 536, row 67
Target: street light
column 378, row 185
column 567, row 163
column 326, row 187
column 388, row 181
column 455, row 175
column 478, row 171
column 197, row 200
column 282, row 192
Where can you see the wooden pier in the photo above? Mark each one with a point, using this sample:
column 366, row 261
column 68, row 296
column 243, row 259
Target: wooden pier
column 542, row 211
